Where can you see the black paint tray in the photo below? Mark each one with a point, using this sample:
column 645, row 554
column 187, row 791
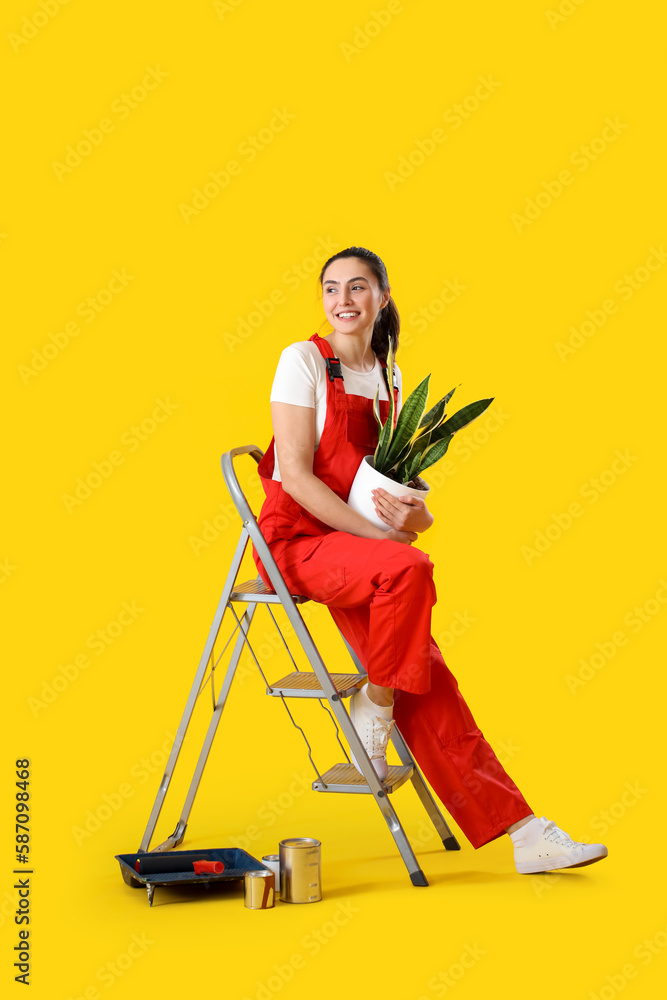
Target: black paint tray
column 236, row 862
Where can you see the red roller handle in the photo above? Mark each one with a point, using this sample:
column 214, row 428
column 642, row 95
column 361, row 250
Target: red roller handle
column 201, row 867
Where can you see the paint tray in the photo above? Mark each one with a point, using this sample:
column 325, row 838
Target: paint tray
column 236, row 862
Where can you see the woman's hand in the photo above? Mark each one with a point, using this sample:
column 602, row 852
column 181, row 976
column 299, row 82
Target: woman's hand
column 407, row 537
column 406, row 514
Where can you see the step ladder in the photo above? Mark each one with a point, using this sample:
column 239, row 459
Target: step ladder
column 330, row 689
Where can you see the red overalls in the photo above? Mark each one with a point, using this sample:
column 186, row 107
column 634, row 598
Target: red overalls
column 380, row 594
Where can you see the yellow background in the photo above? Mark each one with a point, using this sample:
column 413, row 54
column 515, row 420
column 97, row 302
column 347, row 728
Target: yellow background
column 363, row 90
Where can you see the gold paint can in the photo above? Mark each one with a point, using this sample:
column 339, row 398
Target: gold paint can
column 259, row 890
column 300, row 874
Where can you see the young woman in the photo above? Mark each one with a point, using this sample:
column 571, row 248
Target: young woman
column 378, row 588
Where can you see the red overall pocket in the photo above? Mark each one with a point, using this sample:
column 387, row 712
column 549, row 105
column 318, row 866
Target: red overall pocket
column 362, row 431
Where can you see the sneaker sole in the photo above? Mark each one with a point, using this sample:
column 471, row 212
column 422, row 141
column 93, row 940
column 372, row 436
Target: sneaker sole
column 381, row 773
column 538, row 867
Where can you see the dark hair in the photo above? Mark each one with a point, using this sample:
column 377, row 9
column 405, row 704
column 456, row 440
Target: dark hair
column 387, row 322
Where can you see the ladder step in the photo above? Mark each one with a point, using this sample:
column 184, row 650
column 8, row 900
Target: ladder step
column 256, row 592
column 346, row 778
column 304, row 684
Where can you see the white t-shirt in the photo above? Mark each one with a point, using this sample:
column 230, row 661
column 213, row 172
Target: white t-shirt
column 301, row 379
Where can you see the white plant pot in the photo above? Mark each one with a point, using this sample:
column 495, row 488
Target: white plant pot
column 368, row 479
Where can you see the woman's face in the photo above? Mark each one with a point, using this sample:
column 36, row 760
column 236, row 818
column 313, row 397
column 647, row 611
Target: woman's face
column 350, row 287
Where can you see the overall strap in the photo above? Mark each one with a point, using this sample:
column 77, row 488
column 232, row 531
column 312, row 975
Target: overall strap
column 331, row 361
column 334, row 370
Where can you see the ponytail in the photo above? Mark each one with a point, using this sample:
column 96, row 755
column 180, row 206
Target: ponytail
column 387, row 326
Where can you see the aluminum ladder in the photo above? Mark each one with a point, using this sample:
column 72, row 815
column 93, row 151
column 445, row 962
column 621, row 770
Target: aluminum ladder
column 319, row 683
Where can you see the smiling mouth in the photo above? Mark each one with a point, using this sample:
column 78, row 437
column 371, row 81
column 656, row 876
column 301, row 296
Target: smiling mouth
column 347, row 315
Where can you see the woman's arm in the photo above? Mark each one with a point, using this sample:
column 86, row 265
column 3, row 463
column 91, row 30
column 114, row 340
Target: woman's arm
column 294, row 433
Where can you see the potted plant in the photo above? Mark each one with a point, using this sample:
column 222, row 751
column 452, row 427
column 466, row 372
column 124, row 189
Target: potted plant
column 405, row 450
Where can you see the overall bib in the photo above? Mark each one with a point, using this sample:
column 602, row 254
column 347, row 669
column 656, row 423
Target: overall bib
column 380, row 594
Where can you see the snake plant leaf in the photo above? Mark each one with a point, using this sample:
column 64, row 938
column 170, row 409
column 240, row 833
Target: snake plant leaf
column 390, row 379
column 387, row 431
column 410, row 446
column 384, row 440
column 407, row 423
column 404, row 456
column 432, row 454
column 435, row 415
column 376, row 409
column 408, row 469
column 464, row 416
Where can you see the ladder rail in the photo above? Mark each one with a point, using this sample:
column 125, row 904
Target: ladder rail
column 418, row 781
column 179, row 832
column 194, row 692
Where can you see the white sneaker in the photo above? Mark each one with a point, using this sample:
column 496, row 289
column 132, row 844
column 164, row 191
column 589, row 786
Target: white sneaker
column 551, row 848
column 373, row 730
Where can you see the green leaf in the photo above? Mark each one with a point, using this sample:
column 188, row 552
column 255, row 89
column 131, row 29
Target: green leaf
column 384, row 442
column 417, row 444
column 408, row 421
column 404, row 456
column 387, row 431
column 408, row 469
column 435, row 415
column 390, row 379
column 432, row 454
column 376, row 409
column 464, row 416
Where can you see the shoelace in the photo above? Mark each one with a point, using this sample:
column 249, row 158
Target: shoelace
column 558, row 836
column 379, row 730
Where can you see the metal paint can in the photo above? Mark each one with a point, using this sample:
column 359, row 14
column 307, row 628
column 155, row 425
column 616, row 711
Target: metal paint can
column 259, row 890
column 272, row 861
column 300, row 876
